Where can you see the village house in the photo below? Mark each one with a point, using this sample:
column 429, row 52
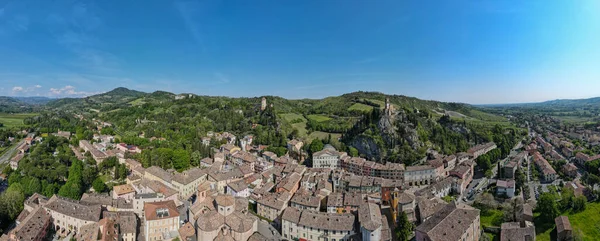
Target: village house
column 14, row 162
column 505, row 187
column 238, row 189
column 373, row 225
column 509, row 169
column 34, row 227
column 140, row 199
column 96, row 154
column 479, row 150
column 517, row 231
column 546, row 170
column 272, row 205
column 453, row 222
column 570, row 170
column 564, row 231
column 187, row 181
column 404, row 202
column 68, row 216
column 125, row 191
column 305, row 201
column 310, row 225
column 295, row 146
column 161, row 221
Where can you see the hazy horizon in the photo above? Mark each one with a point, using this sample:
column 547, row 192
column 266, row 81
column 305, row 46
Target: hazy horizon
column 477, row 52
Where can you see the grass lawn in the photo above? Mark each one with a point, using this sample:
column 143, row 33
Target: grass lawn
column 322, row 135
column 13, row 120
column 493, row 218
column 136, row 102
column 318, row 118
column 586, row 223
column 300, row 126
column 360, row 107
column 379, row 102
column 105, row 178
column 291, row 116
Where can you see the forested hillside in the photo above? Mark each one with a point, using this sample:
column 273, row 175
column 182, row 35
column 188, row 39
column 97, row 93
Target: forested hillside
column 353, row 122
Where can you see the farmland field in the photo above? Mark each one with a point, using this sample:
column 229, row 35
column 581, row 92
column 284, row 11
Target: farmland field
column 586, row 224
column 360, row 107
column 318, row 118
column 13, row 120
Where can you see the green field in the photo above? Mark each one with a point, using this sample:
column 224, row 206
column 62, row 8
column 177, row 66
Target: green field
column 137, row 102
column 379, row 102
column 493, row 218
column 14, row 120
column 586, row 223
column 318, row 118
column 289, row 117
column 322, row 135
column 300, row 126
column 360, row 107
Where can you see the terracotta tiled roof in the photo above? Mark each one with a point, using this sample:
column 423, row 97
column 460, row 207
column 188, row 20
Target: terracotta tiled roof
column 160, row 210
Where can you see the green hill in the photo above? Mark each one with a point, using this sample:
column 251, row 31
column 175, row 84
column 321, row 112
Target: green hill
column 356, row 119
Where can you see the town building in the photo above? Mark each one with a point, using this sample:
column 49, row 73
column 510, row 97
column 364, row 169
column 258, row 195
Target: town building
column 162, row 220
column 33, row 228
column 505, row 187
column 419, row 175
column 373, row 225
column 546, row 170
column 564, row 231
column 454, row 222
column 305, row 201
column 125, row 191
column 187, row 181
column 570, row 170
column 313, row 225
column 479, row 150
column 327, row 158
column 68, row 216
column 517, row 231
column 226, row 219
column 272, row 205
column 509, row 169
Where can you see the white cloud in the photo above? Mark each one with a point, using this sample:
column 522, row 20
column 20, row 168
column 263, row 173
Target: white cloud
column 17, row 89
column 38, row 86
column 69, row 91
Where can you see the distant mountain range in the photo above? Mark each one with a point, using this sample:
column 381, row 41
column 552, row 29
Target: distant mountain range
column 123, row 95
column 22, row 104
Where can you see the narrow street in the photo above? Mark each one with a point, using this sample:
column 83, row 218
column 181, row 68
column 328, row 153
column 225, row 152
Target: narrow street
column 10, row 152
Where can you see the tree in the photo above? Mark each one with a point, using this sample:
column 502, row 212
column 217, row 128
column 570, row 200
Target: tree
column 548, row 207
column 89, row 174
column 404, row 229
column 567, row 199
column 11, row 203
column 316, row 145
column 73, row 188
column 195, row 158
column 99, row 185
column 353, row 151
column 34, row 186
column 181, row 160
column 579, row 204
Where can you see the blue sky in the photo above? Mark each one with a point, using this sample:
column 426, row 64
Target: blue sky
column 473, row 51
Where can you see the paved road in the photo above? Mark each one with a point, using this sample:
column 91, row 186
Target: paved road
column 268, row 231
column 10, row 152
